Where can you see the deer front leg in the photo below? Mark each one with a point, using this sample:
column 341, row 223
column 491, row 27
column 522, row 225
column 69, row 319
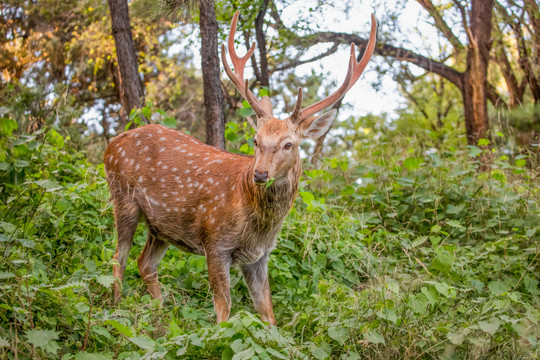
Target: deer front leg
column 219, row 278
column 256, row 276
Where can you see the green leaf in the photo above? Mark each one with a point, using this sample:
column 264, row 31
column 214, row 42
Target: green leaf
column 143, row 342
column 44, row 339
column 387, row 314
column 3, row 342
column 170, row 122
column 105, row 280
column 443, row 261
column 412, row 163
column 454, row 224
column 307, row 197
column 374, row 337
column 498, row 287
column 123, row 329
column 93, row 356
column 6, row 275
column 276, row 353
column 340, row 334
column 55, row 139
column 491, row 326
column 174, row 329
column 244, row 355
column 320, row 352
column 7, row 126
column 483, row 142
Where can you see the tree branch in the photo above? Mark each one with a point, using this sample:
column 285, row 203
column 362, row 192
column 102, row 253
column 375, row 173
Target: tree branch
column 441, row 24
column 398, row 53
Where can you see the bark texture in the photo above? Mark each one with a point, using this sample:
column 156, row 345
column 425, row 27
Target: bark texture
column 132, row 93
column 475, row 89
column 213, row 95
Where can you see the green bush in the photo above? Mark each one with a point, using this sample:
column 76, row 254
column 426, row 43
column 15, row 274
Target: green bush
column 388, row 253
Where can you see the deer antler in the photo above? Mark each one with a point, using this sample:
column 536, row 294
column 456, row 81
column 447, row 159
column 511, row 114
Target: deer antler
column 354, row 71
column 237, row 77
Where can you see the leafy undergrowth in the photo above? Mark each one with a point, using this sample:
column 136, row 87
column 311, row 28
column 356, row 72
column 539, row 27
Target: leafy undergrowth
column 403, row 256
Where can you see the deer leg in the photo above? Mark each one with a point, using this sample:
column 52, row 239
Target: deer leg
column 153, row 252
column 219, row 278
column 126, row 214
column 256, row 276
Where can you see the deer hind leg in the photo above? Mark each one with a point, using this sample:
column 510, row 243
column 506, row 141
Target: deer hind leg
column 148, row 262
column 219, row 278
column 256, row 276
column 126, row 214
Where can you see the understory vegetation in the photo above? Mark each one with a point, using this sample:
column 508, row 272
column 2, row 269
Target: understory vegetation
column 393, row 250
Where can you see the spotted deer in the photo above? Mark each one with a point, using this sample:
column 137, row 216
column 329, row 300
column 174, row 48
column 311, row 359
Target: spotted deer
column 210, row 202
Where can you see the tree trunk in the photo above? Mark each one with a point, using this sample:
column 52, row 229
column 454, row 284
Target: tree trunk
column 213, row 95
column 261, row 42
column 475, row 78
column 132, row 88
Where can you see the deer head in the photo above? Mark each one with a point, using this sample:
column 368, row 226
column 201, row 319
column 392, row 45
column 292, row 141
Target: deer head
column 277, row 141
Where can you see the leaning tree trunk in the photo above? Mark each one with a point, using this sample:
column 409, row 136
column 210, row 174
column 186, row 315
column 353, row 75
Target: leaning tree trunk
column 475, row 77
column 213, row 95
column 132, row 88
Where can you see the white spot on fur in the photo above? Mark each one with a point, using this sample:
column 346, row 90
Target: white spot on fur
column 136, row 134
column 153, row 179
column 140, row 179
column 162, row 180
column 162, row 149
column 159, row 162
column 210, row 180
column 162, row 138
column 165, row 195
column 190, row 162
column 147, row 159
column 187, row 171
column 138, row 143
column 233, row 187
column 137, row 167
column 174, row 169
column 164, row 167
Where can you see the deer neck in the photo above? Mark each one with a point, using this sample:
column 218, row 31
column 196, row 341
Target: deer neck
column 272, row 202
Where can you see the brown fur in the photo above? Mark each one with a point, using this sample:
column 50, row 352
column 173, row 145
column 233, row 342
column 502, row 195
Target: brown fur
column 203, row 200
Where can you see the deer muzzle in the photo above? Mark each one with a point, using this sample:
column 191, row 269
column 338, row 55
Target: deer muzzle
column 260, row 177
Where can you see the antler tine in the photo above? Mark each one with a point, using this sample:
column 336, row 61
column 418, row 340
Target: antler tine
column 298, row 105
column 354, row 71
column 237, row 77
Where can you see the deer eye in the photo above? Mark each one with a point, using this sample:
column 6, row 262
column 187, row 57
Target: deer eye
column 287, row 146
column 255, row 142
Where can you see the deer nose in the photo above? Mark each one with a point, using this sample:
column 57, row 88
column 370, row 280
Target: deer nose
column 260, row 176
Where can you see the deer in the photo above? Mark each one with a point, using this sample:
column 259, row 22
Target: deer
column 207, row 201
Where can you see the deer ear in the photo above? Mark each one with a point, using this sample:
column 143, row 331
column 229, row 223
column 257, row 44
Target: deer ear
column 315, row 127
